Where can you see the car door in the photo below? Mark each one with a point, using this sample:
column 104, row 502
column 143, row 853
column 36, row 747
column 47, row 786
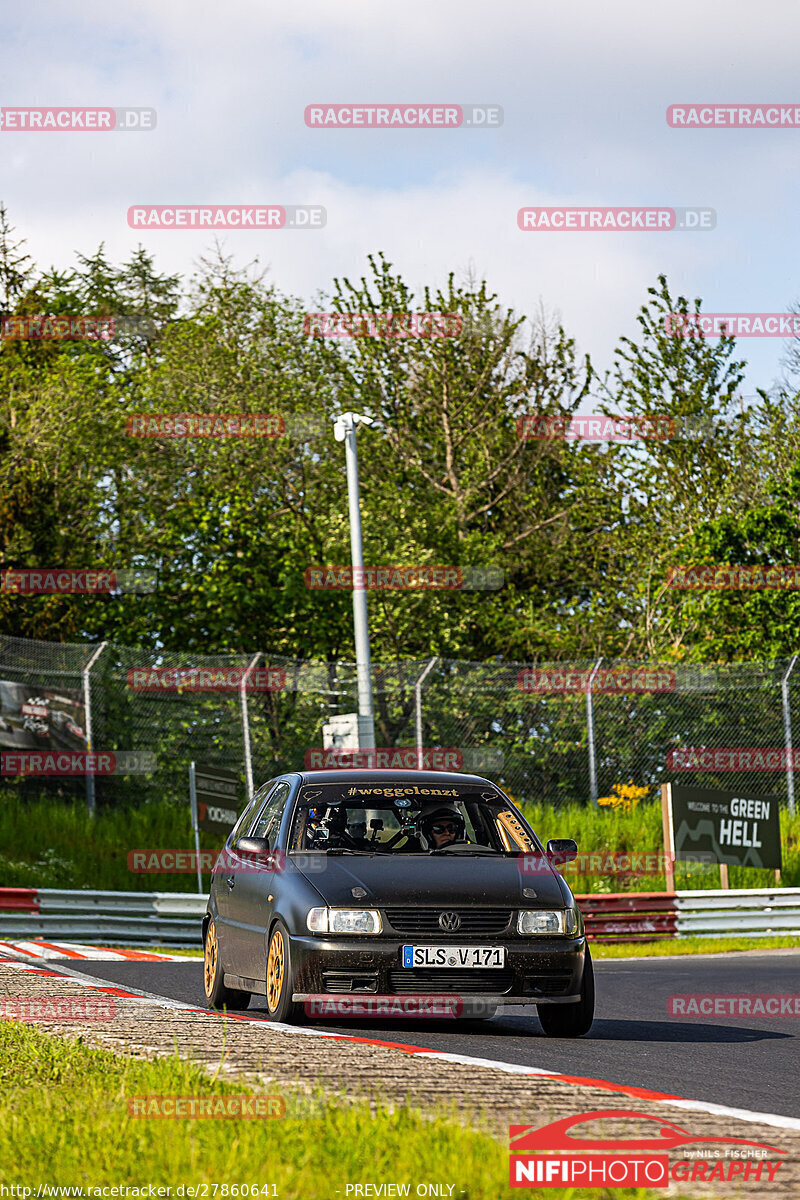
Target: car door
column 253, row 889
column 222, row 878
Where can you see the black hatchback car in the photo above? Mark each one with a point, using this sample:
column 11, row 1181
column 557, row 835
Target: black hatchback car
column 394, row 883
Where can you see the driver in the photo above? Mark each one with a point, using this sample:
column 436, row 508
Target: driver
column 443, row 826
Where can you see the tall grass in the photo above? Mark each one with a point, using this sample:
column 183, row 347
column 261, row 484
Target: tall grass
column 50, row 843
column 607, row 829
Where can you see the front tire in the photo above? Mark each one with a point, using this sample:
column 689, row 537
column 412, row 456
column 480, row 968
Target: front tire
column 280, row 982
column 571, row 1020
column 216, row 994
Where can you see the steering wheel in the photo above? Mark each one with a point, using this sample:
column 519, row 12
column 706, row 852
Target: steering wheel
column 407, row 833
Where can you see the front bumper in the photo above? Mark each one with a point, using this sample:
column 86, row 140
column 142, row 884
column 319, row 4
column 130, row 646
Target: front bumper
column 537, row 971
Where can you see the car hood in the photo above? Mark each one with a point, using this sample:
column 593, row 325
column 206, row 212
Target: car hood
column 433, row 880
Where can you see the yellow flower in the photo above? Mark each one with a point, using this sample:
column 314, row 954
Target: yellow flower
column 624, row 797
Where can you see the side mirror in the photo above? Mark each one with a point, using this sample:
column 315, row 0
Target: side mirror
column 252, row 846
column 561, row 851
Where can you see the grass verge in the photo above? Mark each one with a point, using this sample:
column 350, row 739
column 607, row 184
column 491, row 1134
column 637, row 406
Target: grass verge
column 64, row 1121
column 659, row 949
column 672, row 946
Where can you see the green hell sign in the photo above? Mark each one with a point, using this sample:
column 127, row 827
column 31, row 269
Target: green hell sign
column 736, row 828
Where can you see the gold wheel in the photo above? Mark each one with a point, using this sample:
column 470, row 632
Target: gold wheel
column 210, row 959
column 275, row 966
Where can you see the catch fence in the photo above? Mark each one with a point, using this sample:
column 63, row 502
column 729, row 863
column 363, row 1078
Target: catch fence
column 549, row 733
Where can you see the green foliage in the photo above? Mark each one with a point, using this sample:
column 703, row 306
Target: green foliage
column 585, row 534
column 64, row 1121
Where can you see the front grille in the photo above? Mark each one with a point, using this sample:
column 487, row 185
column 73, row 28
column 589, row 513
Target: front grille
column 431, row 979
column 475, row 922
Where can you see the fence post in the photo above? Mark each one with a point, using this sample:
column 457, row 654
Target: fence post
column 87, row 711
column 787, row 733
column 418, row 705
column 248, row 762
column 590, row 734
column 195, row 825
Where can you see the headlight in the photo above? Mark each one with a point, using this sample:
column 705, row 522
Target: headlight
column 546, row 923
column 344, row 920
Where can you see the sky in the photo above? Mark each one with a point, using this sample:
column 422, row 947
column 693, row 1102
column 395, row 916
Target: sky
column 584, row 90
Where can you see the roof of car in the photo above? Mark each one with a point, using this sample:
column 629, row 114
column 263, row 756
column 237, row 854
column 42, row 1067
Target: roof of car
column 376, row 776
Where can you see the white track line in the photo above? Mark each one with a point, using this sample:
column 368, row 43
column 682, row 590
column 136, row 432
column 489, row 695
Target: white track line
column 47, row 951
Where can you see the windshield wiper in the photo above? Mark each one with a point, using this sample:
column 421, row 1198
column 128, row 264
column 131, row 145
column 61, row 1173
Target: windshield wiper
column 472, row 852
column 346, row 850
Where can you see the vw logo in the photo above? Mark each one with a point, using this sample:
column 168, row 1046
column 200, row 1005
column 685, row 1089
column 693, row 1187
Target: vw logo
column 449, row 922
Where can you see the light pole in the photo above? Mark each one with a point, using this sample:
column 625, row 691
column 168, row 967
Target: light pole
column 344, row 430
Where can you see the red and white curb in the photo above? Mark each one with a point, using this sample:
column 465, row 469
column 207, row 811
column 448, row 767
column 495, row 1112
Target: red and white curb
column 73, row 950
column 636, row 1093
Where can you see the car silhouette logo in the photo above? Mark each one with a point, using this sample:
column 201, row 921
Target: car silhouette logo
column 449, row 922
column 556, row 1136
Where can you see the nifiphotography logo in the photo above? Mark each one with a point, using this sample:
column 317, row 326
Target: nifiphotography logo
column 550, row 1156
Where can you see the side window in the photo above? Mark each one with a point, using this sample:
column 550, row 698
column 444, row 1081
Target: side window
column 250, row 810
column 268, row 820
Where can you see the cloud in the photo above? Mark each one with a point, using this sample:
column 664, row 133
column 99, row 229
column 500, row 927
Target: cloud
column 584, row 90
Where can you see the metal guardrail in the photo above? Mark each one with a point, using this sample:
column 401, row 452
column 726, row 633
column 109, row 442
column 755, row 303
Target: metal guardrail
column 19, row 899
column 174, row 918
column 628, row 916
column 124, row 918
column 751, row 912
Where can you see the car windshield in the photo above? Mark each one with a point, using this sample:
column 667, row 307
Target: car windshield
column 406, row 818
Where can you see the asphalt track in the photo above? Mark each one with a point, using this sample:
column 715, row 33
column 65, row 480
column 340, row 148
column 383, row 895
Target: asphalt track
column 748, row 1063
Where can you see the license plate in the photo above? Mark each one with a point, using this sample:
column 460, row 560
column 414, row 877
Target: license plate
column 454, row 956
